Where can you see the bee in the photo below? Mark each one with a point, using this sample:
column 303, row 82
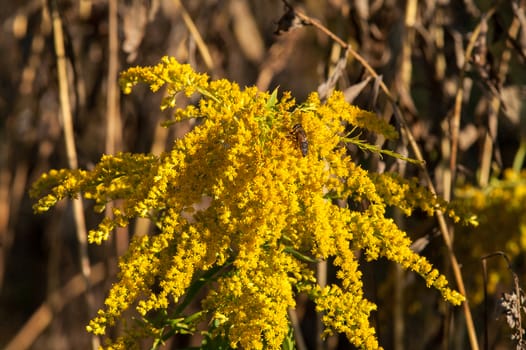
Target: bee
column 301, row 138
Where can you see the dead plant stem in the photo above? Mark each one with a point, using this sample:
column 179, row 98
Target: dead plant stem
column 192, row 28
column 495, row 103
column 67, row 123
column 454, row 125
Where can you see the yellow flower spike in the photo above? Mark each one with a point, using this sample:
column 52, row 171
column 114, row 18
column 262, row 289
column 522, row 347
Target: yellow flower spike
column 241, row 208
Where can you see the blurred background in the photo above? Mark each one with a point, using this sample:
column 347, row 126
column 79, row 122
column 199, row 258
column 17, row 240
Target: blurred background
column 455, row 68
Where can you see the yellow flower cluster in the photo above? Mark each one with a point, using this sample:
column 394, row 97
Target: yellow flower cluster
column 271, row 213
column 500, row 208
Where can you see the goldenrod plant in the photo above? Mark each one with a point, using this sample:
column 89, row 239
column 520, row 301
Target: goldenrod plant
column 499, row 207
column 272, row 171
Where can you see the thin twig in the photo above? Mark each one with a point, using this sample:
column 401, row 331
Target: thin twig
column 485, row 281
column 69, row 137
column 113, row 115
column 203, row 49
column 321, row 277
column 113, row 122
column 298, row 334
column 311, row 21
column 455, row 119
column 405, row 73
column 491, row 132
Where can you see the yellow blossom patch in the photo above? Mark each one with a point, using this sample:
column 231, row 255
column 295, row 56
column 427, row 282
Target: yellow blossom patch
column 271, row 214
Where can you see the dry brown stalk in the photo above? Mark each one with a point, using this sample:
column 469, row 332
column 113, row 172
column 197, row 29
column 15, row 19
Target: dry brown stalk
column 203, row 49
column 495, row 103
column 67, row 122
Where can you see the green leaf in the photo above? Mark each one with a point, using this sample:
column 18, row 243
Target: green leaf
column 273, row 100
